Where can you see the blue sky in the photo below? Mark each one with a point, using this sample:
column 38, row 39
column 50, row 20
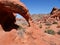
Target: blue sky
column 41, row 6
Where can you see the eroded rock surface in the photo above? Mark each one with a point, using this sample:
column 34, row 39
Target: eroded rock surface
column 55, row 13
column 8, row 9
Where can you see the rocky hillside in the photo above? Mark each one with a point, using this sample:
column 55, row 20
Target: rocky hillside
column 45, row 30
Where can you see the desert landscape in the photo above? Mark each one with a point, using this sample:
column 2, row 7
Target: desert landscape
column 44, row 31
column 35, row 29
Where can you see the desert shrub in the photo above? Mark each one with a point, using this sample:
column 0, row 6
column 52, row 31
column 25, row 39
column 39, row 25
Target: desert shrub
column 21, row 31
column 24, row 24
column 47, row 23
column 20, row 27
column 47, row 27
column 40, row 26
column 58, row 32
column 50, row 31
column 54, row 23
column 58, row 26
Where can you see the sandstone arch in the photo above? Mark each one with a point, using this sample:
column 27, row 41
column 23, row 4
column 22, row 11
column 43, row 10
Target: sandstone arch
column 7, row 8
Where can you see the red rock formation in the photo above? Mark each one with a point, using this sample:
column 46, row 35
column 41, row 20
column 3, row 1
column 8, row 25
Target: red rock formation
column 7, row 10
column 55, row 13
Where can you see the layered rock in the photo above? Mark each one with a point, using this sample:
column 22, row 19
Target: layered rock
column 8, row 9
column 55, row 13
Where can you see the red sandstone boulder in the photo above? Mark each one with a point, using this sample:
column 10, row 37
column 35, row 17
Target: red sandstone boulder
column 55, row 13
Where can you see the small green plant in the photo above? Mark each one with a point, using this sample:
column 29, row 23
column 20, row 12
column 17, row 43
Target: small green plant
column 58, row 32
column 50, row 32
column 54, row 23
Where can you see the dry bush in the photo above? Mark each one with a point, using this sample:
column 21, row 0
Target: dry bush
column 48, row 23
column 50, row 31
column 58, row 32
column 54, row 23
column 40, row 26
column 58, row 26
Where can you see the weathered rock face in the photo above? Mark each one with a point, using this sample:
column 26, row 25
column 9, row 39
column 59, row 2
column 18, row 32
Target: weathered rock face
column 7, row 19
column 55, row 13
column 54, row 10
column 7, row 10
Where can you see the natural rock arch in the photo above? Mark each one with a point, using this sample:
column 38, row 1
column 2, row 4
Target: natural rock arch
column 7, row 10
